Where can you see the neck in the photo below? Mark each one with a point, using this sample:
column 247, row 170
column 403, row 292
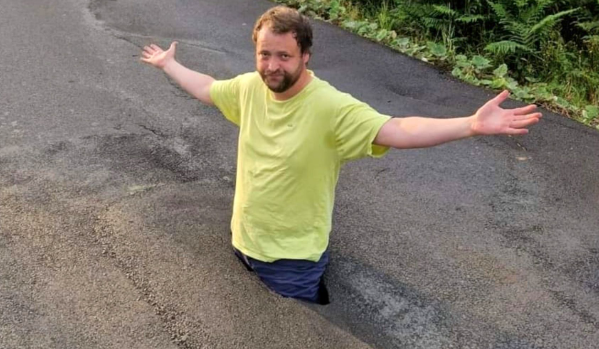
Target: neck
column 299, row 85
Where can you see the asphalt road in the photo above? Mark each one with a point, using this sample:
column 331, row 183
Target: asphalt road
column 116, row 190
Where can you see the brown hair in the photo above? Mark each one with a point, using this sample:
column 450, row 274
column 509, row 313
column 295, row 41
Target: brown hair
column 283, row 20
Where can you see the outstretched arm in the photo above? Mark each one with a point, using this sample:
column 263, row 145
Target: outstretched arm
column 196, row 84
column 490, row 119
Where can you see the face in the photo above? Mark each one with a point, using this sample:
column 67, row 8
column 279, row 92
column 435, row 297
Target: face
column 279, row 60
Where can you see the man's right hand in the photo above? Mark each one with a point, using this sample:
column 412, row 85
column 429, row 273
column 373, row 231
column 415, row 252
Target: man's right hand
column 157, row 57
column 196, row 84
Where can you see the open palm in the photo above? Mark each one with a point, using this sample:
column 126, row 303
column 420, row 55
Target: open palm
column 157, row 57
column 491, row 119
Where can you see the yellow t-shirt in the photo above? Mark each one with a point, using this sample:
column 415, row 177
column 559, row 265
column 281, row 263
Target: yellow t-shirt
column 288, row 161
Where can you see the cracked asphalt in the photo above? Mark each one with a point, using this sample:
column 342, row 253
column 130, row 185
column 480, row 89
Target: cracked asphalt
column 116, row 190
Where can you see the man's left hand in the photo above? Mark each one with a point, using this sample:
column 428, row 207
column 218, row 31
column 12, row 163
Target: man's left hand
column 491, row 119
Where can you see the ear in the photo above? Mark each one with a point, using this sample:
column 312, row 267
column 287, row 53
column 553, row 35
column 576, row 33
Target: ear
column 306, row 58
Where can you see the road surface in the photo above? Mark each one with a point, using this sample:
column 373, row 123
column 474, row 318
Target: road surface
column 116, row 191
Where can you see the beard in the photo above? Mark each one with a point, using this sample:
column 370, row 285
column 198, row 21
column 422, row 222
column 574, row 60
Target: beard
column 280, row 80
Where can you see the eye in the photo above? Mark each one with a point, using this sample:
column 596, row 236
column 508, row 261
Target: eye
column 285, row 56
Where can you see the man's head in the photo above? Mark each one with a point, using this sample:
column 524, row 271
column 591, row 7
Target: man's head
column 283, row 39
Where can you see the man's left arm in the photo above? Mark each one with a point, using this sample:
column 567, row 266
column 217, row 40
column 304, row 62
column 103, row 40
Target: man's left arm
column 490, row 119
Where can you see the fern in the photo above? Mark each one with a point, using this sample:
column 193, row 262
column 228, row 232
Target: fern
column 590, row 27
column 524, row 27
column 470, row 18
column 506, row 47
column 551, row 20
column 500, row 11
column 521, row 3
column 433, row 23
column 444, row 10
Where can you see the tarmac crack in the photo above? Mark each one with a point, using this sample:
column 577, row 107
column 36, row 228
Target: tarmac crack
column 154, row 131
column 128, row 38
column 95, row 20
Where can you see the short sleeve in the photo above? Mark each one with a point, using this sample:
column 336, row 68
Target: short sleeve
column 357, row 125
column 225, row 96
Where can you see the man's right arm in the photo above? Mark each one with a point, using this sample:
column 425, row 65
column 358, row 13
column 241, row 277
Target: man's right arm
column 196, row 84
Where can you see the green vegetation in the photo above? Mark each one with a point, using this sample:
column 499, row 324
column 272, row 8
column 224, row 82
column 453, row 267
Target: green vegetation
column 544, row 51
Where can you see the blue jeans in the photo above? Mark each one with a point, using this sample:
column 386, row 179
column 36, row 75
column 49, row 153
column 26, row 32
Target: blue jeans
column 299, row 279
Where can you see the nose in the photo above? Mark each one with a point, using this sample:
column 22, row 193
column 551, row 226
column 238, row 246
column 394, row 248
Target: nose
column 273, row 65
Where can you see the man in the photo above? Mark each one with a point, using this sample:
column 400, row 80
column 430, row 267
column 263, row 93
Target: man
column 295, row 132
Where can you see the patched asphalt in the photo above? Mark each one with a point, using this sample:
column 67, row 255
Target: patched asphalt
column 116, row 191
